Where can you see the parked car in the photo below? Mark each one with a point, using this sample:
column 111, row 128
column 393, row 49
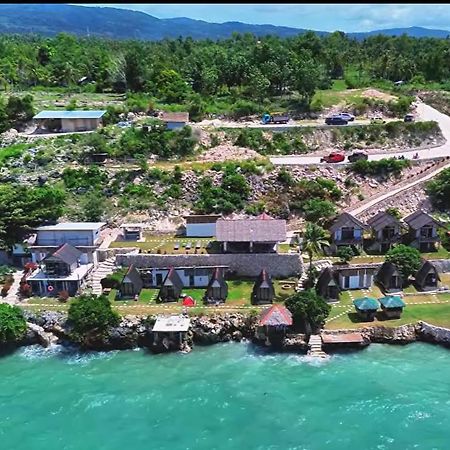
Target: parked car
column 348, row 116
column 409, row 118
column 333, row 158
column 377, row 119
column 336, row 120
column 124, row 124
column 356, row 156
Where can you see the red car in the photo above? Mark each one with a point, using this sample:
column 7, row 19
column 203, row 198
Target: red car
column 333, row 158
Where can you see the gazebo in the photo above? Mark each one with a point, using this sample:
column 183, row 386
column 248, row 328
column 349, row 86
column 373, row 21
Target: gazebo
column 392, row 306
column 273, row 324
column 366, row 307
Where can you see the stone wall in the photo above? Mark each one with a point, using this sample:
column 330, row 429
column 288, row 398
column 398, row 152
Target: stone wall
column 278, row 265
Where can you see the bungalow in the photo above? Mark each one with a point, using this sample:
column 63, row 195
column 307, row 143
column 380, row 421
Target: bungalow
column 327, row 285
column 355, row 276
column 423, row 231
column 171, row 287
column 132, row 231
column 392, row 306
column 201, row 225
column 258, row 235
column 347, row 230
column 68, row 121
column 131, row 284
column 366, row 307
column 175, row 120
column 170, row 331
column 427, row 277
column 85, row 236
column 217, row 290
column 386, row 231
column 389, row 278
column 273, row 324
column 263, row 290
column 61, row 270
column 192, row 276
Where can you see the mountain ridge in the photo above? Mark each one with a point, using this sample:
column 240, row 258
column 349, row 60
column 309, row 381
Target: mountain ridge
column 116, row 23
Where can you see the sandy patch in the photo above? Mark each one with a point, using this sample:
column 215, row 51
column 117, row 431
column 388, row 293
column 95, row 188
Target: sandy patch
column 228, row 152
column 374, row 93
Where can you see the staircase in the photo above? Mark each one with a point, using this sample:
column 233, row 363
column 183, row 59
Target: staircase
column 103, row 269
column 315, row 347
column 319, row 266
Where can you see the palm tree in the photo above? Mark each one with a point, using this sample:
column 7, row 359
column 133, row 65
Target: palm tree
column 314, row 240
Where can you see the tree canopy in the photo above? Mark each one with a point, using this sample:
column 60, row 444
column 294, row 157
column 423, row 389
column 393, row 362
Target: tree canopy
column 12, row 323
column 407, row 259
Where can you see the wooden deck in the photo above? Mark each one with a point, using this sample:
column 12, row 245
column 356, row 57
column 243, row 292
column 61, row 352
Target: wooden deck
column 347, row 338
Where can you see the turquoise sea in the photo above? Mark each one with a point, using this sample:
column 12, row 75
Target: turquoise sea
column 230, row 396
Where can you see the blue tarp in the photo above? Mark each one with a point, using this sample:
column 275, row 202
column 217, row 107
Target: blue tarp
column 69, row 115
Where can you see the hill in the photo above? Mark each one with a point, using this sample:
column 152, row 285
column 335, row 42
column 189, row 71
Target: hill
column 117, row 23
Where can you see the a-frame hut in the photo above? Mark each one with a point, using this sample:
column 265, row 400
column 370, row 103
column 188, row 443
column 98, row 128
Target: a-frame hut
column 273, row 324
column 389, row 278
column 427, row 277
column 171, row 287
column 217, row 290
column 263, row 290
column 327, row 285
column 132, row 283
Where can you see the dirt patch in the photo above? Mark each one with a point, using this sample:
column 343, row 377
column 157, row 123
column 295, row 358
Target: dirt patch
column 374, row 93
column 228, row 152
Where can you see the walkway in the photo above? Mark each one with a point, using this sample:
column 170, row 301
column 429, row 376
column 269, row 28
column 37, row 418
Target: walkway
column 103, row 269
column 315, row 347
column 12, row 296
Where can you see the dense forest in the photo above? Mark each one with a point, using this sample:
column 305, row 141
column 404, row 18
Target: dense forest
column 243, row 67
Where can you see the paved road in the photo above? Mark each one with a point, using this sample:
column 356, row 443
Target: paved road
column 424, row 112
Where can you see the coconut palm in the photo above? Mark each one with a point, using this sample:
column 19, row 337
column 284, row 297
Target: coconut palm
column 314, row 240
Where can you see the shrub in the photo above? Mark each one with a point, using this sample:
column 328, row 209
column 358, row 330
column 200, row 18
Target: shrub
column 439, row 189
column 63, row 296
column 91, row 313
column 345, row 254
column 316, row 210
column 12, row 323
column 25, row 289
column 384, row 166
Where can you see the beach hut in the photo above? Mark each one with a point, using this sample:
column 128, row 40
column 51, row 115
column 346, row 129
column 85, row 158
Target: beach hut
column 389, row 278
column 392, row 306
column 132, row 283
column 170, row 331
column 217, row 290
column 171, row 287
column 427, row 277
column 263, row 290
column 366, row 307
column 273, row 324
column 327, row 285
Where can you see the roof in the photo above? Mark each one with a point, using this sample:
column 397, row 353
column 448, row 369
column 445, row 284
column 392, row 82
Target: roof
column 344, row 219
column 66, row 253
column 366, row 303
column 175, row 117
column 70, row 114
column 173, row 279
column 172, row 323
column 133, row 276
column 251, row 230
column 419, row 218
column 202, row 218
column 217, row 279
column 424, row 270
column 381, row 220
column 68, row 226
column 392, row 301
column 276, row 315
column 325, row 279
column 387, row 270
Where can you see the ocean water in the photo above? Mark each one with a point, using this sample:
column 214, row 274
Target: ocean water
column 230, row 396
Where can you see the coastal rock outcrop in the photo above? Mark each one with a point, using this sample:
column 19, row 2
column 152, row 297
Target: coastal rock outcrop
column 431, row 333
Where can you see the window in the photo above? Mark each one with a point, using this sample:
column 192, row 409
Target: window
column 347, row 233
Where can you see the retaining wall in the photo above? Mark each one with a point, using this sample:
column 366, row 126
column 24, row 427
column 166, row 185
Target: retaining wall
column 278, row 265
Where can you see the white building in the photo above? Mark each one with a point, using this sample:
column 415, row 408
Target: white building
column 69, row 121
column 175, row 120
column 84, row 236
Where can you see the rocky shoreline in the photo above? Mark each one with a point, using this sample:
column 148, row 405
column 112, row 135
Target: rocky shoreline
column 50, row 327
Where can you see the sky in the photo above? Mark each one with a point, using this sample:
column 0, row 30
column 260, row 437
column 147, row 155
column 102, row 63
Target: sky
column 323, row 17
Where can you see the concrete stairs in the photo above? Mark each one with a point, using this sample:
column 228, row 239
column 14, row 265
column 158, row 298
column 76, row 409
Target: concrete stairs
column 13, row 293
column 103, row 269
column 315, row 347
column 319, row 266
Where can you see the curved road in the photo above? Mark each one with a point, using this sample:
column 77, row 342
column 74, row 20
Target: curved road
column 425, row 112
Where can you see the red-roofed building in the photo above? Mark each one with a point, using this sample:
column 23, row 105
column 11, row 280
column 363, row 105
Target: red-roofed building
column 273, row 324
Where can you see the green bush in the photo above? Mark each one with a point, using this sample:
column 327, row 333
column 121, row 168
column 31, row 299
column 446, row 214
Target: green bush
column 439, row 189
column 407, row 259
column 384, row 166
column 12, row 323
column 91, row 313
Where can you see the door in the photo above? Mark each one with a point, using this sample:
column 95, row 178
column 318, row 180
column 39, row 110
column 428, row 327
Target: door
column 354, row 282
column 159, row 279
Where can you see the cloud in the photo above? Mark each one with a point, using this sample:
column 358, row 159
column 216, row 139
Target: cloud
column 326, row 17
